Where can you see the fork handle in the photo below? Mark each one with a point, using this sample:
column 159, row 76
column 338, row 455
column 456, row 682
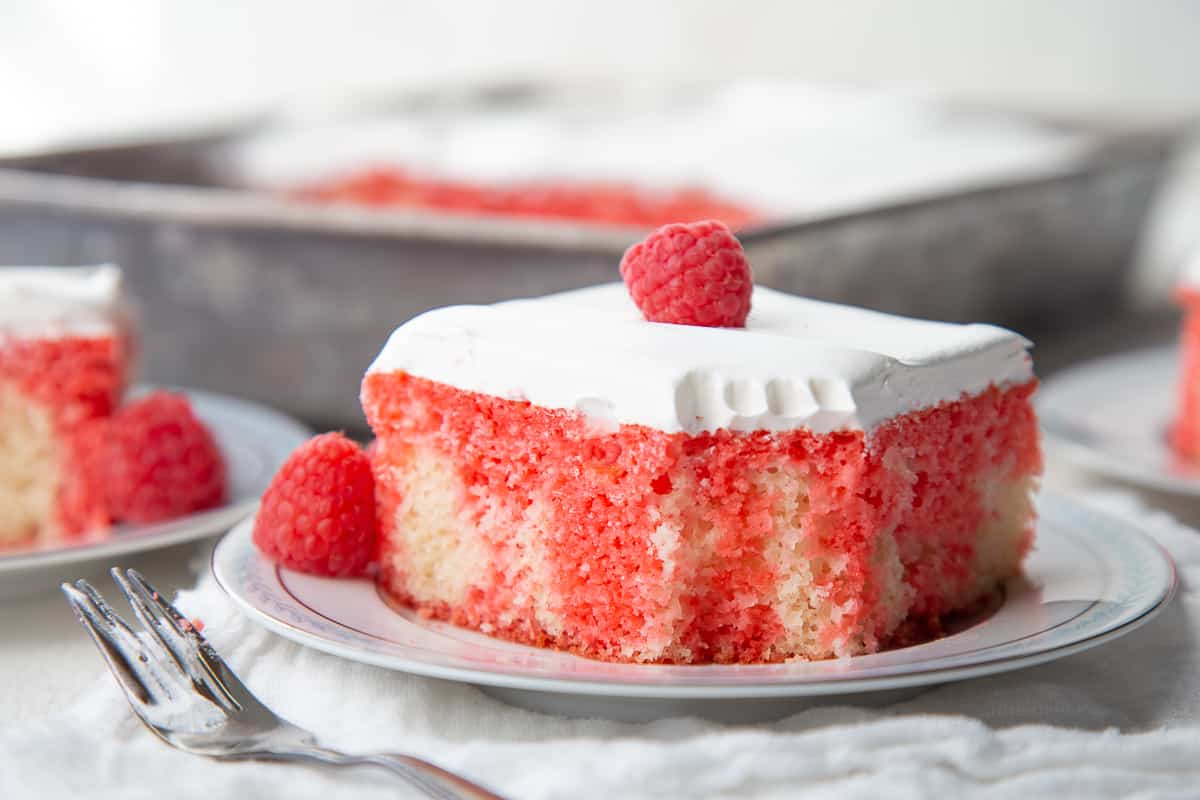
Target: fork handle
column 461, row 788
column 430, row 778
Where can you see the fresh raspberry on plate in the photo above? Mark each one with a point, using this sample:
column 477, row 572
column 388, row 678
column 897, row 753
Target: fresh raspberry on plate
column 318, row 514
column 163, row 462
column 690, row 274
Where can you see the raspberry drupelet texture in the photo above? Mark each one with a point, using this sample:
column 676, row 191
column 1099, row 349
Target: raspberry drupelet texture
column 318, row 515
column 163, row 462
column 690, row 274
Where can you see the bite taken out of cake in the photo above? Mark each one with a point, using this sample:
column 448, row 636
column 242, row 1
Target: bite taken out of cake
column 73, row 459
column 706, row 487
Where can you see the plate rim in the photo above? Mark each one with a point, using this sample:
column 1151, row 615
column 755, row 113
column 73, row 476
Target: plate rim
column 181, row 530
column 510, row 678
column 1095, row 460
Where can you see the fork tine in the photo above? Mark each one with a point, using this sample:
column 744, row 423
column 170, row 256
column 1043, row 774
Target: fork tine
column 152, row 669
column 125, row 635
column 183, row 650
column 118, row 646
column 230, row 685
column 174, row 707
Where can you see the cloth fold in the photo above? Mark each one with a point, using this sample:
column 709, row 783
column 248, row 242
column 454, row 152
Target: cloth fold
column 1121, row 720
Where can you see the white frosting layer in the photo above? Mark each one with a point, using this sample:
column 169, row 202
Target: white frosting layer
column 56, row 301
column 797, row 363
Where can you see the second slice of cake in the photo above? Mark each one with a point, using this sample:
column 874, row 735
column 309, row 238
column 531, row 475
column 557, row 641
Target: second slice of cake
column 64, row 362
column 563, row 473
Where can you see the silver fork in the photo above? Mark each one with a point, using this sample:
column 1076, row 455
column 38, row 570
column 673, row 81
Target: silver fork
column 189, row 697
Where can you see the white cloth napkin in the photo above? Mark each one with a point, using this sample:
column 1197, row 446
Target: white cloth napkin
column 1122, row 720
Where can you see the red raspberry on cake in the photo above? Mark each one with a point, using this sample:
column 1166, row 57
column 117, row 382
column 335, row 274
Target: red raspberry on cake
column 318, row 515
column 690, row 274
column 163, row 461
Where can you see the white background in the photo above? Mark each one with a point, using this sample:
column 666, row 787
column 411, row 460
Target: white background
column 71, row 68
column 74, row 72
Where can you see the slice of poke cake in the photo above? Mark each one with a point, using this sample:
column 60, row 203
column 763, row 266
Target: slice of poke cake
column 74, row 458
column 688, row 469
column 64, row 361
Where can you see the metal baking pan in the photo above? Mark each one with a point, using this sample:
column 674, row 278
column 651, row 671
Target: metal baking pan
column 286, row 303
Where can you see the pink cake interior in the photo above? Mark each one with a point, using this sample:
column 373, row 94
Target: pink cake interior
column 50, row 390
column 1185, row 433
column 637, row 544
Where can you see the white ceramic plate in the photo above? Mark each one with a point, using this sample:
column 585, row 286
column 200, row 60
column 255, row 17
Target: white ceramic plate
column 254, row 440
column 1090, row 578
column 1111, row 416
